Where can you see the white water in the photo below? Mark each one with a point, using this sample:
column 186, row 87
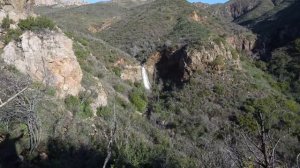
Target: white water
column 146, row 81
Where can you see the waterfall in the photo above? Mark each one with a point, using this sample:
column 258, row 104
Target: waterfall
column 146, row 81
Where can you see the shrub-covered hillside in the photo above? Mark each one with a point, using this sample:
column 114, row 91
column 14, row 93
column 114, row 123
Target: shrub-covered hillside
column 211, row 103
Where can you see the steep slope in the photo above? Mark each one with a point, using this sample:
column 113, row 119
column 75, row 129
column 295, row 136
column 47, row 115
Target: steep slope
column 48, row 58
column 89, row 18
column 279, row 26
column 15, row 9
column 209, row 106
column 279, row 35
column 204, row 97
column 241, row 11
column 137, row 33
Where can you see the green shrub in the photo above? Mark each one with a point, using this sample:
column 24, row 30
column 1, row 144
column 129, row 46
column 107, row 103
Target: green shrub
column 297, row 45
column 6, row 23
column 138, row 99
column 235, row 54
column 83, row 41
column 85, row 110
column 292, row 105
column 12, row 34
column 51, row 91
column 190, row 31
column 38, row 23
column 274, row 112
column 72, row 103
column 79, row 107
column 219, row 61
column 117, row 71
column 104, row 112
column 119, row 88
column 80, row 52
column 218, row 89
column 219, row 40
column 261, row 65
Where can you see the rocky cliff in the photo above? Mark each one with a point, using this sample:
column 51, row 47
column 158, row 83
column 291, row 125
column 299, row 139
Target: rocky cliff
column 178, row 64
column 48, row 58
column 15, row 9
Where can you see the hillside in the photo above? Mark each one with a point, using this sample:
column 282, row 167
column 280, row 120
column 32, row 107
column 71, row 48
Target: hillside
column 180, row 23
column 59, row 2
column 242, row 11
column 279, row 34
column 85, row 103
column 276, row 24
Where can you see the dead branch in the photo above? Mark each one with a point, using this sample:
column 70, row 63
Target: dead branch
column 13, row 97
column 111, row 138
column 19, row 105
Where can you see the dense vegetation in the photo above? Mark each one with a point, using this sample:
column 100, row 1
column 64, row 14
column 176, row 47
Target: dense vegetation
column 246, row 116
column 28, row 24
column 285, row 65
column 36, row 24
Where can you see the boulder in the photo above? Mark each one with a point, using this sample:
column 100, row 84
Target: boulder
column 15, row 9
column 46, row 57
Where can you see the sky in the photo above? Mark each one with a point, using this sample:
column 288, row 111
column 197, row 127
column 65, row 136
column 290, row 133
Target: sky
column 205, row 1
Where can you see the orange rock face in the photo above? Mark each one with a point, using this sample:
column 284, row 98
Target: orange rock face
column 47, row 58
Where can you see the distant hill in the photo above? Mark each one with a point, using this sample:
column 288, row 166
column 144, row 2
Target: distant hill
column 130, row 3
column 59, row 2
column 242, row 10
column 211, row 104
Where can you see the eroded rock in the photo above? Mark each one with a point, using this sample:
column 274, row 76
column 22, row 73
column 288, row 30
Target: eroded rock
column 15, row 9
column 101, row 97
column 132, row 73
column 177, row 64
column 46, row 57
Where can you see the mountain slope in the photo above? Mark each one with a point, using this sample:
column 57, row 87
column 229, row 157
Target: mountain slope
column 150, row 26
column 209, row 105
column 59, row 2
column 279, row 32
column 241, row 11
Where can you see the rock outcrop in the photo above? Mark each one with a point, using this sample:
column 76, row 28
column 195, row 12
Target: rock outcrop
column 100, row 99
column 178, row 64
column 46, row 57
column 214, row 55
column 132, row 73
column 15, row 9
column 242, row 42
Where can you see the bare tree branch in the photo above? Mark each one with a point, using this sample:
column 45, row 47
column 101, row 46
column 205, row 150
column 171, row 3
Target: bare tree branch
column 297, row 158
column 13, row 97
column 111, row 138
column 19, row 105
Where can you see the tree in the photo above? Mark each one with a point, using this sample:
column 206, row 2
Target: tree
column 260, row 131
column 18, row 105
column 297, row 45
column 111, row 138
